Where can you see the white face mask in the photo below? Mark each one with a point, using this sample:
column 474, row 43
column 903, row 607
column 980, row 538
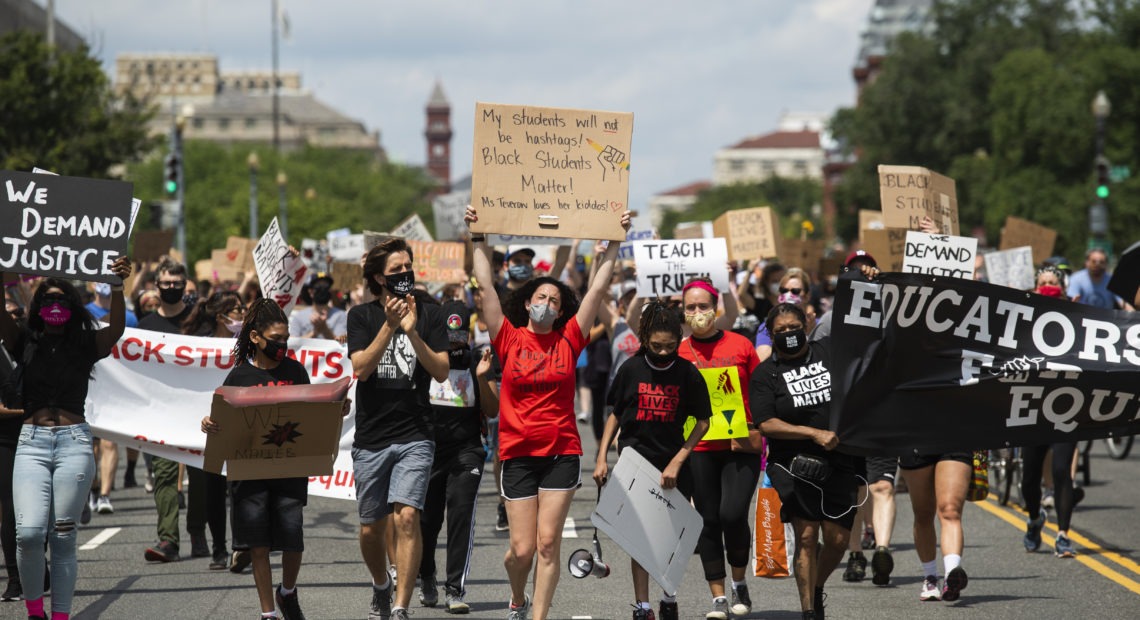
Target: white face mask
column 543, row 315
column 234, row 325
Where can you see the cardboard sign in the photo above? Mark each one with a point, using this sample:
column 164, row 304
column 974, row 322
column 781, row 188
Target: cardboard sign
column 204, row 270
column 551, row 172
column 413, row 229
column 831, row 266
column 803, row 253
column 347, row 275
column 693, row 230
column 750, row 233
column 69, row 227
column 939, row 255
column 222, row 268
column 729, row 420
column 910, row 192
column 888, row 246
column 448, row 210
column 1018, row 232
column 1012, row 268
column 440, row 262
column 278, row 269
column 526, row 240
column 869, row 220
column 663, row 267
column 239, row 253
column 152, row 245
column 271, row 432
column 346, row 248
column 655, row 526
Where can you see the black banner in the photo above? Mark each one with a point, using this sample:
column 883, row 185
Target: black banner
column 925, row 364
column 63, row 226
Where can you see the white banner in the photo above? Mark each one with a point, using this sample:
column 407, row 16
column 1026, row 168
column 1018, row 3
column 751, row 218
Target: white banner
column 278, row 270
column 663, row 267
column 1012, row 268
column 940, row 255
column 347, row 248
column 152, row 392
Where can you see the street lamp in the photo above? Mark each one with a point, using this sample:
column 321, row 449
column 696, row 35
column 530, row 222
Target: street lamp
column 254, row 164
column 282, row 207
column 1098, row 212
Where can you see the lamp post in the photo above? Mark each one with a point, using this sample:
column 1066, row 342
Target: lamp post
column 1098, row 212
column 254, row 164
column 282, row 207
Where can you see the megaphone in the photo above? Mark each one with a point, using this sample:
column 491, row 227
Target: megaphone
column 584, row 563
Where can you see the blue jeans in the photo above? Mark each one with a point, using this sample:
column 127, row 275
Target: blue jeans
column 54, row 465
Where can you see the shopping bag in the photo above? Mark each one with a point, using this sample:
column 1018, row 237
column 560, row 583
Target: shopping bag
column 775, row 542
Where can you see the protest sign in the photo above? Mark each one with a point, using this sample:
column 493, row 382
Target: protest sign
column 412, row 229
column 749, row 233
column 694, row 230
column 347, row 275
column 281, row 431
column 726, row 396
column 663, row 267
column 930, row 365
column 154, row 388
column 869, row 220
column 910, row 192
column 831, row 266
column 222, row 268
column 803, row 253
column 635, row 234
column 939, row 255
column 204, row 270
column 1018, row 232
column 448, row 210
column 526, row 240
column 438, row 261
column 550, row 171
column 888, row 246
column 151, row 245
column 69, row 227
column 278, row 269
column 657, row 527
column 1012, row 268
column 239, row 253
column 346, row 248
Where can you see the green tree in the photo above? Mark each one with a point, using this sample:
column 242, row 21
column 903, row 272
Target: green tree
column 793, row 200
column 60, row 113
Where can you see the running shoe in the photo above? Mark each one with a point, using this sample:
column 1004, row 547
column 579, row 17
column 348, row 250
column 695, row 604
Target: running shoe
column 930, row 589
column 14, row 591
column 1064, row 547
column 741, row 600
column 148, row 484
column 1047, row 499
column 103, row 505
column 1032, row 538
column 400, row 614
column 381, row 606
column 290, row 605
column 518, row 613
column 129, row 481
column 164, row 551
column 220, row 560
column 240, row 561
column 868, row 541
column 392, row 573
column 198, row 546
column 881, row 566
column 856, row 567
column 642, row 613
column 668, row 611
column 453, row 602
column 719, row 610
column 584, row 417
column 85, row 516
column 429, row 593
column 501, row 525
column 956, row 581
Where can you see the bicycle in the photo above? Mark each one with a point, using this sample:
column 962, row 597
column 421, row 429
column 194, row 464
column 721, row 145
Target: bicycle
column 1005, row 473
column 1118, row 447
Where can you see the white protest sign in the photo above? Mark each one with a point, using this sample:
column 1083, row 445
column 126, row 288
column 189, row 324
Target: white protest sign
column 346, row 248
column 657, row 527
column 663, row 267
column 412, row 229
column 278, row 269
column 641, row 229
column 525, row 240
column 1012, row 268
column 448, row 210
column 940, row 255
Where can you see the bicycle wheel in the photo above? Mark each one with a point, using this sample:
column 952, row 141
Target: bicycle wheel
column 1118, row 447
column 999, row 474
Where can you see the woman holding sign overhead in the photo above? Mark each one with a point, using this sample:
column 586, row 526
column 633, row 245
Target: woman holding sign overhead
column 724, row 477
column 538, row 335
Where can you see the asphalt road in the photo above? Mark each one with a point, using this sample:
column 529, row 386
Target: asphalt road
column 1005, row 582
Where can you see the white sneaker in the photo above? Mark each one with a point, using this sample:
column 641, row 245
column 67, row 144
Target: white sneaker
column 719, row 610
column 930, row 589
column 103, row 505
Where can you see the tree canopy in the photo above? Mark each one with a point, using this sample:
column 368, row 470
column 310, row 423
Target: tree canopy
column 792, row 199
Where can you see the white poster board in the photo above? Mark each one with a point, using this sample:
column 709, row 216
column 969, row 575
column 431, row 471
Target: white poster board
column 940, row 255
column 412, row 229
column 664, row 266
column 1012, row 268
column 279, row 271
column 448, row 210
column 346, row 248
column 655, row 526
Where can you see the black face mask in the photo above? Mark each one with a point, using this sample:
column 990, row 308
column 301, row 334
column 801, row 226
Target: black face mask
column 171, row 295
column 660, row 360
column 275, row 350
column 789, row 343
column 400, row 284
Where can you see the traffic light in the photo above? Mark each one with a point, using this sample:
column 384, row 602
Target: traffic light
column 170, row 177
column 1102, row 178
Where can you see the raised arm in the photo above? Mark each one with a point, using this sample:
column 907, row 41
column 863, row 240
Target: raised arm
column 485, row 278
column 106, row 338
column 600, row 281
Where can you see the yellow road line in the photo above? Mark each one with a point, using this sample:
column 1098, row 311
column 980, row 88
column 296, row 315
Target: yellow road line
column 991, row 506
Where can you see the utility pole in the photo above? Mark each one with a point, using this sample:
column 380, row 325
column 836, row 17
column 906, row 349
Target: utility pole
column 276, row 102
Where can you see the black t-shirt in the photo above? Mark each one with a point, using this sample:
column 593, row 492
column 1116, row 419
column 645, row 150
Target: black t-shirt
column 392, row 405
column 652, row 405
column 158, row 323
column 60, row 371
column 455, row 404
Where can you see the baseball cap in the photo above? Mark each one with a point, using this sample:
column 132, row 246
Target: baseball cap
column 458, row 321
column 863, row 254
column 529, row 253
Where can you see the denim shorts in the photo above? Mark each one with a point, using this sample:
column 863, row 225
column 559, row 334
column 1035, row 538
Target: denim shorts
column 398, row 474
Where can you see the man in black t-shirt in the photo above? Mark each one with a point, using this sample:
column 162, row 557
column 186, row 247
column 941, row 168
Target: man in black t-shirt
column 397, row 345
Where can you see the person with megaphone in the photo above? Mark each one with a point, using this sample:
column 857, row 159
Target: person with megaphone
column 652, row 396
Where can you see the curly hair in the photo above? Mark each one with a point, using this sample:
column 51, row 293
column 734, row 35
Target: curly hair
column 205, row 314
column 657, row 316
column 261, row 315
column 81, row 319
column 377, row 259
column 782, row 309
column 1062, row 277
column 514, row 308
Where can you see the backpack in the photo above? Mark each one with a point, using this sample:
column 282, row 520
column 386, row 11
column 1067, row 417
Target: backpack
column 12, row 375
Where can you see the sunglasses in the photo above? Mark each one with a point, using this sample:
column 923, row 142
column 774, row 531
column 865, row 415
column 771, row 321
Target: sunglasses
column 794, row 291
column 55, row 298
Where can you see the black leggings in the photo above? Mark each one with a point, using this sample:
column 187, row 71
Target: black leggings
column 207, row 505
column 7, row 514
column 1032, row 465
column 723, row 485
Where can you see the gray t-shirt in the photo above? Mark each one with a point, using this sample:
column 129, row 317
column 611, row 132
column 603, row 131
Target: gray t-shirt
column 301, row 322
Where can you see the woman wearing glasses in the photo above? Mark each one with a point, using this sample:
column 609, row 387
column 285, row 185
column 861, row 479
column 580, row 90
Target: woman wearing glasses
column 795, row 288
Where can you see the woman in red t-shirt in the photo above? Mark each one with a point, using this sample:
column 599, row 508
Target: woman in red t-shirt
column 723, row 480
column 538, row 436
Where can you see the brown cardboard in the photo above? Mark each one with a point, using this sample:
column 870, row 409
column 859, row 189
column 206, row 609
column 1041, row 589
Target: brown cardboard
column 1018, row 232
column 693, row 230
column 803, row 253
column 550, row 172
column 152, row 245
column 749, row 233
column 439, row 262
column 204, row 270
column 830, row 266
column 887, row 246
column 262, row 437
column 346, row 276
column 239, row 253
column 910, row 192
column 869, row 219
column 223, row 267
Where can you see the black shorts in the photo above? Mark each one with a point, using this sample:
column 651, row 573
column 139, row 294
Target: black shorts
column 835, row 499
column 524, row 476
column 915, row 461
column 267, row 513
column 882, row 468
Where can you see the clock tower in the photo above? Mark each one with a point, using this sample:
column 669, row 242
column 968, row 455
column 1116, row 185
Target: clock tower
column 438, row 134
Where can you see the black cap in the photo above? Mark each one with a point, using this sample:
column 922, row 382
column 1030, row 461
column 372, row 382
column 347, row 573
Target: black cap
column 458, row 320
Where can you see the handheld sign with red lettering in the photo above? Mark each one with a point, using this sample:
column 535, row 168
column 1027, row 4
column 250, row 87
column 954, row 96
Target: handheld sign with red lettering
column 278, row 268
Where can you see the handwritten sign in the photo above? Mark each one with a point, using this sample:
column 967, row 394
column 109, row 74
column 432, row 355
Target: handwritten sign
column 635, row 234
column 552, row 172
column 693, row 230
column 63, row 226
column 439, row 262
column 448, row 209
column 222, row 268
column 803, row 253
column 346, row 276
column 910, row 192
column 750, row 233
column 151, row 245
column 940, row 255
column 1018, row 232
column 346, row 248
column 413, row 229
column 869, row 220
column 526, row 240
column 279, row 271
column 1012, row 268
column 888, row 246
column 664, row 266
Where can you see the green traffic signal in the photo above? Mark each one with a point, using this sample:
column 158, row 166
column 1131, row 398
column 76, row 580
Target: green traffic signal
column 1102, row 191
column 172, row 187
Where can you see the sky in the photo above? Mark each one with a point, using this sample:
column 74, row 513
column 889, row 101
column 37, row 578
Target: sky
column 698, row 76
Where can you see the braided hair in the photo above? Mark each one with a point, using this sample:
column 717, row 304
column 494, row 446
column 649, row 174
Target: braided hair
column 261, row 315
column 658, row 316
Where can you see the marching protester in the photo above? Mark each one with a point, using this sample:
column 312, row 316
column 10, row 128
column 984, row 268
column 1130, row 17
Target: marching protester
column 459, row 405
column 268, row 514
column 724, row 479
column 538, row 335
column 1089, row 286
column 791, row 401
column 397, row 346
column 795, row 288
column 321, row 319
column 481, row 339
column 54, row 461
column 652, row 396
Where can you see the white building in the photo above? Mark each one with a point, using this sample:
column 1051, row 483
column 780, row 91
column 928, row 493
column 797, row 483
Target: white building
column 795, row 150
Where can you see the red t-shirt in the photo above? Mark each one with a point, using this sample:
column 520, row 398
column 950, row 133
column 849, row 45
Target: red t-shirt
column 724, row 349
column 536, row 396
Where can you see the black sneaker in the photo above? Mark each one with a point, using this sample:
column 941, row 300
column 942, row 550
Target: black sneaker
column 741, row 601
column 239, row 561
column 956, row 581
column 429, row 592
column 381, row 607
column 14, row 591
column 181, row 500
column 164, row 551
column 641, row 613
column 290, row 606
column 220, row 560
column 129, row 481
column 501, row 525
column 668, row 611
column 856, row 567
column 881, row 566
column 198, row 546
